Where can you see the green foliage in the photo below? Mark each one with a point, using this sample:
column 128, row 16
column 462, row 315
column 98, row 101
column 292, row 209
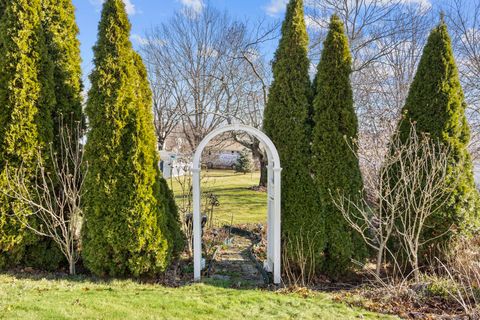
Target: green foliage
column 173, row 219
column 126, row 224
column 286, row 121
column 44, row 254
column 243, row 163
column 335, row 164
column 61, row 31
column 435, row 104
column 27, row 99
column 162, row 192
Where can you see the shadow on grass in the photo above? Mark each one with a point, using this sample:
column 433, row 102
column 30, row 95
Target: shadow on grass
column 86, row 280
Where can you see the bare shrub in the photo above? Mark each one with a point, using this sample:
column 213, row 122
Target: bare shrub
column 184, row 199
column 55, row 198
column 410, row 188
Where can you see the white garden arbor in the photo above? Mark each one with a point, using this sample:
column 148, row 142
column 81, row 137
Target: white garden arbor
column 272, row 264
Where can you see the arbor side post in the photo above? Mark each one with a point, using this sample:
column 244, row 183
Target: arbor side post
column 197, row 228
column 277, row 267
column 270, row 217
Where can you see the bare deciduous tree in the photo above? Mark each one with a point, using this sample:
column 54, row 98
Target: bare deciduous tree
column 54, row 200
column 206, row 70
column 195, row 71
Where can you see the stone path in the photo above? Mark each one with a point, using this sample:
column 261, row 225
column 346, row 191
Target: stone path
column 232, row 263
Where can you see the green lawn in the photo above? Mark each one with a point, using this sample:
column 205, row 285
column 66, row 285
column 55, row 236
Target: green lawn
column 83, row 299
column 237, row 201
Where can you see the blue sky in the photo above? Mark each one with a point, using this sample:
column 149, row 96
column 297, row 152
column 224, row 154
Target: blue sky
column 144, row 14
column 147, row 13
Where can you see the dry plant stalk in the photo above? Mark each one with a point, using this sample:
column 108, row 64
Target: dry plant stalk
column 184, row 199
column 302, row 272
column 55, row 199
column 464, row 292
column 463, row 269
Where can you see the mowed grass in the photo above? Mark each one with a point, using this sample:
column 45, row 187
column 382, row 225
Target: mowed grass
column 84, row 299
column 238, row 203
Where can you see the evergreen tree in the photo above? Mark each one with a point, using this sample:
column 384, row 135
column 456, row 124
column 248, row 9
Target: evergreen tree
column 164, row 194
column 126, row 226
column 61, row 31
column 243, row 163
column 27, row 99
column 286, row 121
column 335, row 164
column 436, row 105
column 63, row 47
column 173, row 219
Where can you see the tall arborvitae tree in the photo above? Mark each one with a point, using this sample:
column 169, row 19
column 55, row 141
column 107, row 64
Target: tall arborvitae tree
column 335, row 164
column 26, row 99
column 165, row 196
column 435, row 104
column 63, row 48
column 61, row 31
column 126, row 226
column 286, row 121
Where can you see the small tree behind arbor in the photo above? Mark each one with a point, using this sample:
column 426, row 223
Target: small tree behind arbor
column 243, row 164
column 55, row 199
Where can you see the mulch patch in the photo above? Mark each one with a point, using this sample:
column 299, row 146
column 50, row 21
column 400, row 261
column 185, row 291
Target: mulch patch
column 404, row 302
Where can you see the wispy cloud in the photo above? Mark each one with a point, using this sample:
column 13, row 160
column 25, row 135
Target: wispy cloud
column 195, row 5
column 275, row 7
column 143, row 41
column 425, row 4
column 139, row 39
column 129, row 6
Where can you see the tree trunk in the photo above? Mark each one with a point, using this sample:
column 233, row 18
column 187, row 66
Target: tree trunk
column 258, row 154
column 263, row 173
column 379, row 260
column 72, row 267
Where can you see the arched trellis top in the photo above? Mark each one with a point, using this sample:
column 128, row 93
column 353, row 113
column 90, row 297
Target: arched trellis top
column 272, row 152
column 274, row 169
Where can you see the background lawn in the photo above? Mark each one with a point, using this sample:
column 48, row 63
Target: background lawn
column 237, row 200
column 83, row 299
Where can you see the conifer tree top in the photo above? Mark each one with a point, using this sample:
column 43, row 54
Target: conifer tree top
column 114, row 29
column 435, row 99
column 294, row 31
column 335, row 56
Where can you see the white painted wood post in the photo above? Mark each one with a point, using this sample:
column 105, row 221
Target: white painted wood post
column 197, row 225
column 277, row 267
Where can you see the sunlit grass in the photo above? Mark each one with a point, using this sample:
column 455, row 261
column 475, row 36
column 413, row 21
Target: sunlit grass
column 238, row 203
column 83, row 299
